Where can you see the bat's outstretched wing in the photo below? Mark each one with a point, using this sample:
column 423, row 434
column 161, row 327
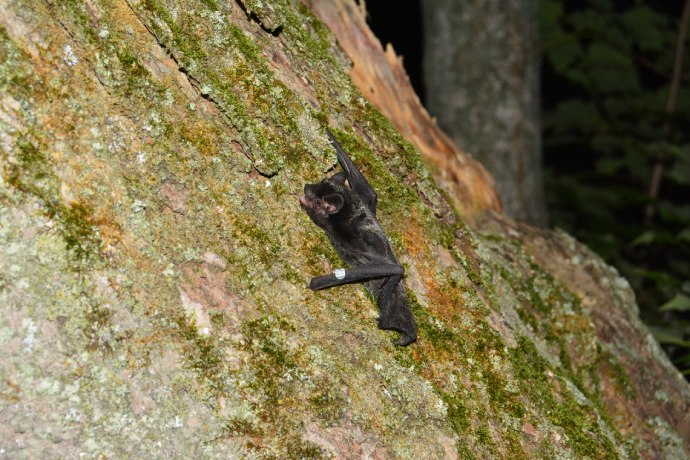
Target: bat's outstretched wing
column 358, row 183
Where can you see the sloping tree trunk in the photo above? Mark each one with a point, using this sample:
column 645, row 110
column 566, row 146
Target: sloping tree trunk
column 481, row 68
column 154, row 258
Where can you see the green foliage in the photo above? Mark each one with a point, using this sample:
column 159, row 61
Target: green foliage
column 607, row 80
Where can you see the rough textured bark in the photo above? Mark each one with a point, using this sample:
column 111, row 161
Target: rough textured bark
column 481, row 68
column 154, row 262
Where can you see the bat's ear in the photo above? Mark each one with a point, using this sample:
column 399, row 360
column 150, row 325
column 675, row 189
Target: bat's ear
column 340, row 178
column 333, row 202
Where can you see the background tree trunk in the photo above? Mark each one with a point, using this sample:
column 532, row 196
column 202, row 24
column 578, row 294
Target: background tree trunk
column 481, row 68
column 154, row 262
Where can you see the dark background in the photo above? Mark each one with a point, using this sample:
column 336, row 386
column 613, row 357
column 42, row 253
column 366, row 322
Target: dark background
column 606, row 75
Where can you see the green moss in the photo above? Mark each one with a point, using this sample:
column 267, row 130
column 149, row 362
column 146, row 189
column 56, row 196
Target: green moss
column 202, row 355
column 303, row 449
column 322, row 247
column 328, row 403
column 458, row 415
column 441, row 338
column 582, row 430
column 275, row 373
column 580, row 423
column 250, row 51
column 263, row 245
column 499, row 397
column 270, row 360
column 78, row 230
column 464, row 452
column 617, row 374
column 530, row 369
column 96, row 319
column 263, row 336
column 321, row 117
column 33, row 174
column 246, row 91
column 131, row 65
column 536, row 300
column 404, row 358
column 514, row 447
column 212, row 4
column 218, row 318
column 236, row 426
column 13, row 69
column 484, row 436
column 316, row 38
column 446, row 236
column 76, row 9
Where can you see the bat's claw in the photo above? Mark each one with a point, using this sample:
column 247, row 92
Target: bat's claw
column 406, row 336
column 405, row 340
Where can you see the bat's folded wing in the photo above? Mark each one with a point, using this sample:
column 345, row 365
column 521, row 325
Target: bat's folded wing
column 358, row 183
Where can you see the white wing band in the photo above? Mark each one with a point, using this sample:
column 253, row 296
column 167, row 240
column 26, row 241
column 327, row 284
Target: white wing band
column 339, row 273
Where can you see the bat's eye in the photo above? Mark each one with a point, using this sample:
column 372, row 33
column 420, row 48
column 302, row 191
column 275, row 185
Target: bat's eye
column 318, row 202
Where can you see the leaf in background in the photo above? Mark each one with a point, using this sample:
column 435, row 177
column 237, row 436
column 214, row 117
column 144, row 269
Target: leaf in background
column 609, row 166
column 636, row 163
column 605, row 5
column 674, row 213
column 680, row 171
column 686, row 287
column 685, row 360
column 575, row 114
column 566, row 52
column 605, row 126
column 611, row 70
column 645, row 238
column 656, row 276
column 684, row 235
column 680, row 302
column 647, row 26
column 589, row 23
column 550, row 13
column 669, row 336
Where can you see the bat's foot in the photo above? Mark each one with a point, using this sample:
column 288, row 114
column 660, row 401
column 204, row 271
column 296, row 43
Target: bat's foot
column 405, row 340
column 407, row 336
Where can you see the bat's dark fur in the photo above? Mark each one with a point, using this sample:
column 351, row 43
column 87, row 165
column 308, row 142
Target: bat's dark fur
column 344, row 205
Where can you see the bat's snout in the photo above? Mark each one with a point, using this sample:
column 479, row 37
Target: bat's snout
column 304, row 201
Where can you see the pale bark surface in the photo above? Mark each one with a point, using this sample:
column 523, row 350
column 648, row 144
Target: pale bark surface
column 481, row 69
column 154, row 258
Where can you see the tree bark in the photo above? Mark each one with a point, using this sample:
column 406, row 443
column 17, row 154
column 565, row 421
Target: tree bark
column 481, row 68
column 154, row 262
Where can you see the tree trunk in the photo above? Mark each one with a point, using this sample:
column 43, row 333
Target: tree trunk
column 481, row 68
column 154, row 262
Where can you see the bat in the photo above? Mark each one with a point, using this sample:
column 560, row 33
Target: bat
column 344, row 206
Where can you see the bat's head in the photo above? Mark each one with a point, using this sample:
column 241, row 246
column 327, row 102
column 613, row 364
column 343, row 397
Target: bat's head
column 324, row 200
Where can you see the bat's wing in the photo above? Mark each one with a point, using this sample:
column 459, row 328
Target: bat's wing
column 358, row 183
